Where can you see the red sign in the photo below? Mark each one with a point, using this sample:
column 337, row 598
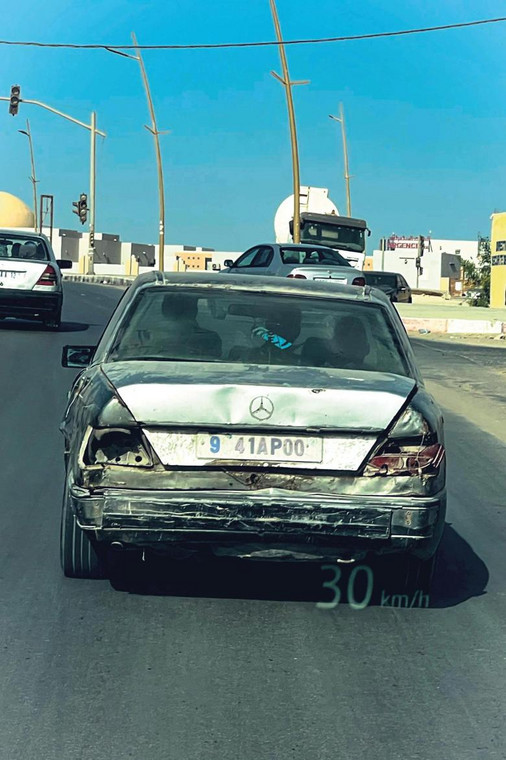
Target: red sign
column 396, row 242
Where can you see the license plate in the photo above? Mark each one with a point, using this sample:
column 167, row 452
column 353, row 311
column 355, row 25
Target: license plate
column 259, row 448
column 7, row 276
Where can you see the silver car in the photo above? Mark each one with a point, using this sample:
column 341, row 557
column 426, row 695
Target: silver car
column 254, row 419
column 296, row 261
column 30, row 279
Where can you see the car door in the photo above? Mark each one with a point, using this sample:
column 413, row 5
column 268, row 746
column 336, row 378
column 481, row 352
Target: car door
column 243, row 263
column 254, row 261
column 403, row 291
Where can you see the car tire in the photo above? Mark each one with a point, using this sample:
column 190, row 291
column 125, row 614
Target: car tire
column 79, row 557
column 419, row 574
column 409, row 578
column 54, row 322
column 410, row 299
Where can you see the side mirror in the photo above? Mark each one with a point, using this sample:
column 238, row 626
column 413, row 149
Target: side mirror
column 228, row 263
column 368, row 232
column 64, row 263
column 77, row 357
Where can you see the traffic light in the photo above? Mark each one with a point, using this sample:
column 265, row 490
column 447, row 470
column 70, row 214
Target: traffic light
column 15, row 98
column 81, row 207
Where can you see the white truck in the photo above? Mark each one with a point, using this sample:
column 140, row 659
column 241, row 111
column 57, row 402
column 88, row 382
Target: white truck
column 320, row 223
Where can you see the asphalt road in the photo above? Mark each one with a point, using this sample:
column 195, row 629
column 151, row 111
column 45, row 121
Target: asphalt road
column 229, row 662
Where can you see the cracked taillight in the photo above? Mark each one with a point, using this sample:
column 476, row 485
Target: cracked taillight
column 406, row 460
column 117, row 446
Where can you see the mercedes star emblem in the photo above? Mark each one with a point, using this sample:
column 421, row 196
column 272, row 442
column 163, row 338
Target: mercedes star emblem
column 261, row 408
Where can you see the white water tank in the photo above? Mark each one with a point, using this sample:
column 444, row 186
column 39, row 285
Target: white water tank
column 312, row 199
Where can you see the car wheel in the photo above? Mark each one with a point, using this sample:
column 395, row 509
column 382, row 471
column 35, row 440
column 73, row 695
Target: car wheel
column 79, row 558
column 409, row 579
column 410, row 299
column 419, row 574
column 54, row 322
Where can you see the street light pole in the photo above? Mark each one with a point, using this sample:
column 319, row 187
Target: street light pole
column 94, row 132
column 156, row 135
column 33, row 177
column 285, row 81
column 347, row 177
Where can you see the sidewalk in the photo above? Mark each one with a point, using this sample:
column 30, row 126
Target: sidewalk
column 438, row 316
column 452, row 317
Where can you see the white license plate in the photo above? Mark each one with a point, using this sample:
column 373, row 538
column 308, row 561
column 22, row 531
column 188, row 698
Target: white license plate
column 261, row 448
column 8, row 276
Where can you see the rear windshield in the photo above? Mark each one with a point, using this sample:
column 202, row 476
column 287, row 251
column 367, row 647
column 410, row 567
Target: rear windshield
column 307, row 256
column 188, row 324
column 21, row 248
column 376, row 280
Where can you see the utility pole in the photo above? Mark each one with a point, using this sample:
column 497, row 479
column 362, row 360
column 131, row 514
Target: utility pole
column 93, row 160
column 347, row 177
column 156, row 134
column 419, row 268
column 33, row 178
column 92, row 128
column 287, row 84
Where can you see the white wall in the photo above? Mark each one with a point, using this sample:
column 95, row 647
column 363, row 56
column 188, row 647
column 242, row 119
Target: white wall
column 405, row 264
column 467, row 249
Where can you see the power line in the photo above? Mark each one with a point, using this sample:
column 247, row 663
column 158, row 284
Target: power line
column 218, row 45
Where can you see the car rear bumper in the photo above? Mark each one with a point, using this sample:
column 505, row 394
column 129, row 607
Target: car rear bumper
column 29, row 303
column 354, row 525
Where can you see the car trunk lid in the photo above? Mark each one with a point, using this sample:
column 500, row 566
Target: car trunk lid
column 293, row 398
column 18, row 274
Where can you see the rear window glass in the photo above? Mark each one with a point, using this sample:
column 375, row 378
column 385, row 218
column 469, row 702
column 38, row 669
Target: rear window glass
column 22, row 248
column 188, row 324
column 376, row 280
column 305, row 256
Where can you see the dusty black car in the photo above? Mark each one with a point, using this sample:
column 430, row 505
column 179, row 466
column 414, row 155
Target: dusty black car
column 392, row 284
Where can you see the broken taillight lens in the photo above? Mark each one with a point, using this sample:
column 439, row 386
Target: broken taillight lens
column 297, row 276
column 48, row 277
column 117, row 446
column 407, row 460
column 359, row 281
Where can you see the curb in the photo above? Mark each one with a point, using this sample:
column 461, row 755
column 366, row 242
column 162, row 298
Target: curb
column 454, row 326
column 412, row 324
column 100, row 279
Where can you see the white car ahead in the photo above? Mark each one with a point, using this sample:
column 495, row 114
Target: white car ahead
column 30, row 278
column 296, row 261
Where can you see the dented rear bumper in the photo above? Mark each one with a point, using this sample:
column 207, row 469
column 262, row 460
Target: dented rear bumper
column 379, row 524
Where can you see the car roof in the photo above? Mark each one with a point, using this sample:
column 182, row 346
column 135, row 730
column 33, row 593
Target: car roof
column 23, row 231
column 265, row 284
column 26, row 233
column 300, row 245
column 376, row 272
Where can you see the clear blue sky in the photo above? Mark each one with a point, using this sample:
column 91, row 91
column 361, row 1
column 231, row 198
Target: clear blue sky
column 426, row 115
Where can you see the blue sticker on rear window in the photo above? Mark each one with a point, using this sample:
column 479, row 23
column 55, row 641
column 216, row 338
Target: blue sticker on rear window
column 271, row 337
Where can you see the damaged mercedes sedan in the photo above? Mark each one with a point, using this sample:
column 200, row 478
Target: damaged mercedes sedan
column 258, row 418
